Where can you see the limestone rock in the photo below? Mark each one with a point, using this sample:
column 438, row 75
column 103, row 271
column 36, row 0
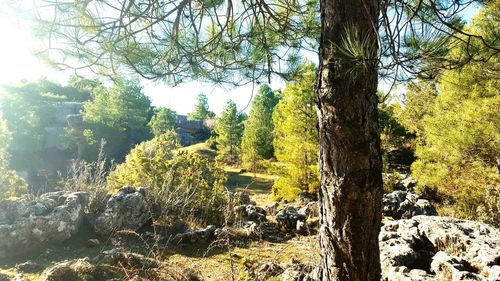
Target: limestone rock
column 250, row 213
column 404, row 205
column 27, row 225
column 127, row 210
column 193, row 236
column 310, row 210
column 288, row 217
column 439, row 248
column 75, row 270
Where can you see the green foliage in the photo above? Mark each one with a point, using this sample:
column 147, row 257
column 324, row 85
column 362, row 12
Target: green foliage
column 418, row 103
column 164, row 120
column 229, row 130
column 397, row 143
column 118, row 115
column 187, row 185
column 201, row 109
column 460, row 137
column 296, row 139
column 257, row 140
column 11, row 185
column 28, row 110
column 145, row 165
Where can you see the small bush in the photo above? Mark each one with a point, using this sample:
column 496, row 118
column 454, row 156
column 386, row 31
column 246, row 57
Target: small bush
column 89, row 177
column 186, row 185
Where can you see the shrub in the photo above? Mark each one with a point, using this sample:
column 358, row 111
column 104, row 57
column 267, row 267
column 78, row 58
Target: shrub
column 91, row 178
column 186, row 185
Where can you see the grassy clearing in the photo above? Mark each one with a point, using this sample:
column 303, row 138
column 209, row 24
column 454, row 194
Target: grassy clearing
column 258, row 185
column 224, row 265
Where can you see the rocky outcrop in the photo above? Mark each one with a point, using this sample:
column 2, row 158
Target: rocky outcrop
column 26, row 224
column 404, row 205
column 129, row 209
column 288, row 217
column 439, row 248
column 250, row 213
column 193, row 131
column 75, row 270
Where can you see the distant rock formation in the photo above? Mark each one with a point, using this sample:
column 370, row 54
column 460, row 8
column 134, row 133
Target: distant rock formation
column 193, row 131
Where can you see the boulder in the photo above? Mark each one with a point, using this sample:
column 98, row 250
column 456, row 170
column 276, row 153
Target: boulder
column 129, row 209
column 250, row 213
column 27, row 224
column 404, row 205
column 29, row 267
column 288, row 217
column 75, row 270
column 193, row 236
column 439, row 248
column 310, row 210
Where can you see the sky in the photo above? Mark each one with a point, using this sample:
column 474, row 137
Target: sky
column 18, row 61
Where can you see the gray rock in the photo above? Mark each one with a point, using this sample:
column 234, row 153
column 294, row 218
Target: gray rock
column 92, row 243
column 310, row 210
column 407, row 183
column 250, row 213
column 288, row 217
column 403, row 205
column 192, row 236
column 29, row 267
column 129, row 209
column 439, row 248
column 26, row 225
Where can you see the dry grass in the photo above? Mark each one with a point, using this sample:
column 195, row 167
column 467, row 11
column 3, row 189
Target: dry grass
column 217, row 265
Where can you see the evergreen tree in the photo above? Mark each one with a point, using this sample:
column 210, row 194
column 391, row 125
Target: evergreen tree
column 358, row 40
column 11, row 184
column 118, row 115
column 164, row 120
column 201, row 109
column 257, row 141
column 296, row 139
column 229, row 130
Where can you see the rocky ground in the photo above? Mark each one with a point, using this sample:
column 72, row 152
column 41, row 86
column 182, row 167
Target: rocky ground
column 53, row 238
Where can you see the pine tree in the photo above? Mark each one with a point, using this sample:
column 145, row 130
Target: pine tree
column 257, row 141
column 201, row 109
column 459, row 148
column 164, row 120
column 119, row 115
column 296, row 139
column 229, row 129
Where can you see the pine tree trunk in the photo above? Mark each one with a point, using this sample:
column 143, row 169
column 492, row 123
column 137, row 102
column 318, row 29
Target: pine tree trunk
column 350, row 157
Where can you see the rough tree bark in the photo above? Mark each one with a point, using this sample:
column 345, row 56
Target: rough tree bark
column 350, row 157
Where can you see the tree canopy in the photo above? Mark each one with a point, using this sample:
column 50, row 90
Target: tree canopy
column 257, row 140
column 162, row 121
column 201, row 109
column 118, row 115
column 229, row 130
column 296, row 139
